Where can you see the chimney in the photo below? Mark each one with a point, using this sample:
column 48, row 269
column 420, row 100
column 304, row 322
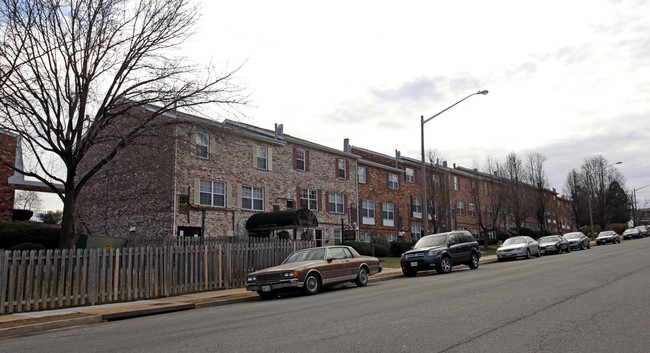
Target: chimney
column 279, row 131
column 346, row 145
column 397, row 158
column 454, row 165
column 444, row 164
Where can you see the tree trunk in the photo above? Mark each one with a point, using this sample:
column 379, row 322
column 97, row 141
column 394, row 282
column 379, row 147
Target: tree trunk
column 68, row 238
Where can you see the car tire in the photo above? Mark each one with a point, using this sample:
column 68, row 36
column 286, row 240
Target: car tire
column 568, row 249
column 588, row 245
column 267, row 295
column 409, row 272
column 473, row 262
column 528, row 254
column 559, row 250
column 582, row 246
column 444, row 266
column 362, row 277
column 312, row 284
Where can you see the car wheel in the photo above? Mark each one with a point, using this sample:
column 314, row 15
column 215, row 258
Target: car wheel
column 312, row 284
column 267, row 295
column 582, row 246
column 409, row 272
column 362, row 277
column 588, row 245
column 558, row 250
column 528, row 254
column 444, row 266
column 473, row 263
column 568, row 249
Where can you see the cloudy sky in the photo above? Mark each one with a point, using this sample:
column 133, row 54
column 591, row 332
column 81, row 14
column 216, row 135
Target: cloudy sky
column 567, row 79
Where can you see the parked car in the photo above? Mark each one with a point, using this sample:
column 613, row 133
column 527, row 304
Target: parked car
column 514, row 247
column 577, row 240
column 643, row 230
column 631, row 233
column 441, row 252
column 553, row 244
column 310, row 269
column 608, row 236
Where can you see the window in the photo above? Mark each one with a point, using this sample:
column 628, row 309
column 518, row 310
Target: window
column 309, row 199
column 212, row 193
column 489, row 212
column 416, row 207
column 388, row 214
column 416, row 232
column 410, row 175
column 336, row 202
column 393, row 181
column 262, row 157
column 473, row 185
column 361, row 175
column 301, row 159
column 460, row 208
column 338, row 239
column 456, row 186
column 368, row 212
column 391, row 237
column 252, row 198
column 472, row 210
column 364, row 237
column 485, row 188
column 436, row 181
column 342, row 168
column 202, row 145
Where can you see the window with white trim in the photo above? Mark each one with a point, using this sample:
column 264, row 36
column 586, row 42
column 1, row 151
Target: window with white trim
column 416, row 232
column 362, row 175
column 364, row 237
column 252, row 198
column 436, row 181
column 388, row 214
column 202, row 145
column 460, row 208
column 485, row 189
column 262, row 157
column 456, row 186
column 391, row 237
column 368, row 212
column 416, row 207
column 472, row 210
column 342, row 169
column 393, row 181
column 309, row 199
column 489, row 212
column 212, row 193
column 336, row 201
column 338, row 236
column 409, row 175
column 301, row 160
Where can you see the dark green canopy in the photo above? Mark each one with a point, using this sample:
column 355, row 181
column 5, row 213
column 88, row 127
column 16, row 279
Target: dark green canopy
column 289, row 219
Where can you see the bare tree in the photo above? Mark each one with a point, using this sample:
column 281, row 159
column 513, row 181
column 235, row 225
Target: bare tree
column 438, row 192
column 493, row 198
column 574, row 188
column 28, row 200
column 71, row 70
column 536, row 176
column 598, row 177
column 517, row 203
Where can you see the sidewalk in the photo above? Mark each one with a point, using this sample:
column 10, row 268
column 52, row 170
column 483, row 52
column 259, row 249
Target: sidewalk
column 25, row 323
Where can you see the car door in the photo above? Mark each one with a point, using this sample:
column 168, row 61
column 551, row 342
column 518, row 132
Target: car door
column 456, row 249
column 337, row 264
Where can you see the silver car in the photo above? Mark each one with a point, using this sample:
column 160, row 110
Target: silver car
column 514, row 247
column 577, row 240
column 608, row 236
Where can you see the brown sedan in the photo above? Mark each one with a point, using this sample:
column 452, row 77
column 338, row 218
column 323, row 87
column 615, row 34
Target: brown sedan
column 310, row 269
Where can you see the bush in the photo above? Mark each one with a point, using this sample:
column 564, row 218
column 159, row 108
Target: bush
column 284, row 235
column 14, row 233
column 381, row 251
column 397, row 248
column 529, row 232
column 361, row 247
column 28, row 246
column 503, row 234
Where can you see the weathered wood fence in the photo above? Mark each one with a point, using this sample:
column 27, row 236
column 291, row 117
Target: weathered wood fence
column 49, row 279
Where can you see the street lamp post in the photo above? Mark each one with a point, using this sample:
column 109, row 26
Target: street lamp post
column 591, row 215
column 425, row 211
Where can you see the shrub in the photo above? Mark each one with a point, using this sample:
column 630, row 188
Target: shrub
column 381, row 250
column 28, row 246
column 14, row 233
column 284, row 235
column 530, row 232
column 398, row 248
column 503, row 234
column 361, row 247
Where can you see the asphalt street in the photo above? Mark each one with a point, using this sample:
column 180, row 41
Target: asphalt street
column 593, row 300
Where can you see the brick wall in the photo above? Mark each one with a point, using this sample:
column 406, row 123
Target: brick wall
column 7, row 153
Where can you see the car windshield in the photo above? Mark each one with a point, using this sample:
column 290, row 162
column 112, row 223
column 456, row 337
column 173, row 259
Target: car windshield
column 431, row 241
column 606, row 233
column 305, row 255
column 512, row 241
column 550, row 239
column 572, row 236
column 632, row 230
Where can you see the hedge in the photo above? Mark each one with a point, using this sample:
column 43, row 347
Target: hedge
column 14, row 233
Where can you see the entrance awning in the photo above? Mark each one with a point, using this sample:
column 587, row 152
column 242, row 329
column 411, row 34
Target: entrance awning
column 289, row 219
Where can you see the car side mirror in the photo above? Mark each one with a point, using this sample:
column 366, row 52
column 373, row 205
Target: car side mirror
column 330, row 259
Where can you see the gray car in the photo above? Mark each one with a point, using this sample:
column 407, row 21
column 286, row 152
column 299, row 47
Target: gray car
column 441, row 252
column 608, row 236
column 553, row 244
column 514, row 247
column 577, row 240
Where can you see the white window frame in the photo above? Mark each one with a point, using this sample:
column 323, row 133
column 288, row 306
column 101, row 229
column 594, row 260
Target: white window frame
column 489, row 212
column 409, row 174
column 362, row 175
column 416, row 231
column 336, row 203
column 262, row 157
column 252, row 198
column 456, row 186
column 460, row 208
column 436, row 181
column 301, row 157
column 472, row 210
column 368, row 212
column 388, row 214
column 416, row 207
column 486, row 189
column 213, row 190
column 338, row 236
column 202, row 145
column 309, row 198
column 393, row 181
column 343, row 172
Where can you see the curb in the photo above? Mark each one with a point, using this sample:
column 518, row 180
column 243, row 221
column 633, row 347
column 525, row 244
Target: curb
column 52, row 325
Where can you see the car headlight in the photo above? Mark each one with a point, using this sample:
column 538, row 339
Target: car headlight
column 292, row 274
column 433, row 252
column 251, row 278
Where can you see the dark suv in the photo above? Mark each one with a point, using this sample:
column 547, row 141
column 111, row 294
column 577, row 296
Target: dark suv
column 441, row 252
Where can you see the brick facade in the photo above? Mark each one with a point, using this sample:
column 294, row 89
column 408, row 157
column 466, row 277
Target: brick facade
column 7, row 153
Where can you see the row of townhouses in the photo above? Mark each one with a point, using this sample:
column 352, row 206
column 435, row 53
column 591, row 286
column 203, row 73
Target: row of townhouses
column 208, row 178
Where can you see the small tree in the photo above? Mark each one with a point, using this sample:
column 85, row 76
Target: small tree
column 27, row 200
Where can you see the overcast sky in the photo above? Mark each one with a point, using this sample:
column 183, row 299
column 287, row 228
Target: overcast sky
column 567, row 79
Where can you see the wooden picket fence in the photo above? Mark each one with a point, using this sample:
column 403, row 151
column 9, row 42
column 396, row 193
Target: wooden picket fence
column 51, row 279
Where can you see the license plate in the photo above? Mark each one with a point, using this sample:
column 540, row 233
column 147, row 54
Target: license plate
column 414, row 264
column 266, row 288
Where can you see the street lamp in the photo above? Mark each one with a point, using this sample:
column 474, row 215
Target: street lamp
column 591, row 215
column 634, row 205
column 425, row 211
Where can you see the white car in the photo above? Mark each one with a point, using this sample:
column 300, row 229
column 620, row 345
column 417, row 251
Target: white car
column 522, row 246
column 608, row 236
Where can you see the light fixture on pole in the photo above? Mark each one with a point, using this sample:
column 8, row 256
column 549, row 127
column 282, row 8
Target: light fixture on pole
column 425, row 211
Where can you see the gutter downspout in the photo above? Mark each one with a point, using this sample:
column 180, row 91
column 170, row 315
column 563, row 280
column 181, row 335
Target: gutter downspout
column 175, row 196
